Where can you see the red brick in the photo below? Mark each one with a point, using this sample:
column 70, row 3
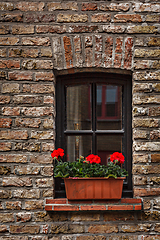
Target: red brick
column 48, row 208
column 140, row 192
column 5, row 122
column 89, row 6
column 98, row 41
column 128, row 53
column 138, row 207
column 66, row 208
column 56, row 201
column 120, row 207
column 131, row 200
column 108, row 52
column 68, row 52
column 10, row 64
column 94, row 207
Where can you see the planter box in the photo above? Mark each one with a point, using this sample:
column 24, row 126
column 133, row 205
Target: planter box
column 93, row 188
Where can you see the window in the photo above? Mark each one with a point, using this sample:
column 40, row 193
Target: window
column 94, row 116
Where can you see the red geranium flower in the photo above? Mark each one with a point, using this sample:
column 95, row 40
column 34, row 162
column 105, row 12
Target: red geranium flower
column 117, row 156
column 93, row 158
column 59, row 153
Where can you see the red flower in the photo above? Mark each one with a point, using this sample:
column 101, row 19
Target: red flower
column 58, row 153
column 117, row 156
column 93, row 158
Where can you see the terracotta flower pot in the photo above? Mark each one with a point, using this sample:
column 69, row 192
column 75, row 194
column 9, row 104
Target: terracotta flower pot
column 93, row 188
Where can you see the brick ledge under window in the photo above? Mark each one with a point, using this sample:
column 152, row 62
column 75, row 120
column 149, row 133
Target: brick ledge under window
column 63, row 204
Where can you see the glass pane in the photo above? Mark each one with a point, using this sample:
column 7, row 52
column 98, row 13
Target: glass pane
column 107, row 145
column 78, row 106
column 109, row 107
column 78, row 146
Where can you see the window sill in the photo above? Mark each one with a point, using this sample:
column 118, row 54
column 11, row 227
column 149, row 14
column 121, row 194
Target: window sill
column 63, row 204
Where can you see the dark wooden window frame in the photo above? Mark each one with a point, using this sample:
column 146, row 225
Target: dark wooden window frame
column 103, row 78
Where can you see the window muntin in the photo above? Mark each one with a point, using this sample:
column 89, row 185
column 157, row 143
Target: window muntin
column 108, row 135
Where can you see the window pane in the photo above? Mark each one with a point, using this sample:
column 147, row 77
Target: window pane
column 78, row 106
column 106, row 145
column 78, row 146
column 109, row 107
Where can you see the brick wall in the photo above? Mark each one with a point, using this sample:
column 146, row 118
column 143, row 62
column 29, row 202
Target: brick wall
column 40, row 40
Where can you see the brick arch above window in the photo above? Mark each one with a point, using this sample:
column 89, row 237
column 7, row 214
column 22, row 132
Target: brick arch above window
column 93, row 51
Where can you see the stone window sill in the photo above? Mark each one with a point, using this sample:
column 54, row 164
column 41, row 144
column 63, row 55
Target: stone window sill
column 63, row 204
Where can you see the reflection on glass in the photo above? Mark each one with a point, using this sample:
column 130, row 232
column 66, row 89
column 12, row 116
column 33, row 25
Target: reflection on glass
column 109, row 107
column 78, row 107
column 107, row 145
column 78, row 146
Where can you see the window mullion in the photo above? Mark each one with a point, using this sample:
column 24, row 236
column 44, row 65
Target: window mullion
column 94, row 118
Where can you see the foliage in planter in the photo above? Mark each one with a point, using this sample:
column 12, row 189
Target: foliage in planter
column 87, row 167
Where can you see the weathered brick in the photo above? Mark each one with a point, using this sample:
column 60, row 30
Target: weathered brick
column 50, row 29
column 16, row 205
column 3, row 52
column 155, row 180
column 9, row 41
column 29, row 6
column 37, row 111
column 25, row 53
column 144, row 99
column 11, row 17
column 6, row 6
column 152, row 18
column 49, row 100
column 127, row 18
column 147, row 53
column 72, row 17
column 85, row 217
column 140, row 134
column 101, row 17
column 11, row 111
column 68, row 52
column 44, row 76
column 154, row 135
column 42, row 88
column 141, row 64
column 83, row 28
column 23, row 217
column 119, row 216
column 45, row 217
column 5, row 170
column 10, row 64
column 5, row 146
column 26, row 170
column 41, row 159
column 39, row 18
column 146, row 7
column 15, row 238
column 128, row 53
column 44, row 182
column 147, row 146
column 62, row 6
column 154, row 111
column 3, row 229
column 99, row 228
column 48, row 123
column 157, row 203
column 142, row 87
column 31, row 229
column 46, row 52
column 142, row 29
column 14, row 134
column 33, row 193
column 114, row 7
column 155, row 158
column 47, row 171
column 5, row 194
column 29, row 146
column 16, row 182
column 37, row 64
column 140, row 158
column 134, row 228
column 155, row 64
column 89, row 7
column 48, row 147
column 36, row 41
column 20, row 76
column 140, row 192
column 6, row 217
column 2, row 75
column 139, row 41
column 108, row 51
column 10, row 88
column 146, row 204
column 34, row 205
column 48, row 193
column 143, row 76
column 28, row 122
column 5, row 122
column 13, row 158
column 138, row 180
column 4, row 29
column 27, row 99
column 42, row 134
column 153, row 41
